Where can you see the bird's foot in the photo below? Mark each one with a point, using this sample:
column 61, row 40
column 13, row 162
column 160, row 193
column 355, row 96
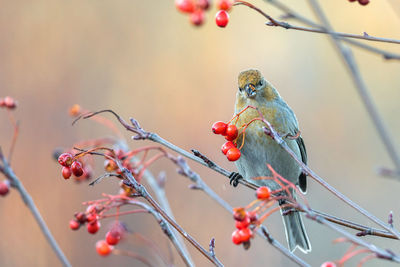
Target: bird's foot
column 234, row 178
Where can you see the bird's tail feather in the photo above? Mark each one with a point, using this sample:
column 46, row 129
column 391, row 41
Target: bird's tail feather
column 296, row 235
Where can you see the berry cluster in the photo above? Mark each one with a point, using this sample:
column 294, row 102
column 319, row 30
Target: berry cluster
column 104, row 247
column 8, row 102
column 243, row 221
column 197, row 8
column 70, row 166
column 361, row 2
column 4, row 187
column 91, row 218
column 230, row 132
column 246, row 221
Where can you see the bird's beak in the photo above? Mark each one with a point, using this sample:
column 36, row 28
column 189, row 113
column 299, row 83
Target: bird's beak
column 250, row 90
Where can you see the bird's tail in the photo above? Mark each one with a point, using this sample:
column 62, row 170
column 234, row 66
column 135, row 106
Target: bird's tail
column 296, row 235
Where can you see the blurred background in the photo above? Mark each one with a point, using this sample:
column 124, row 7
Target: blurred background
column 144, row 59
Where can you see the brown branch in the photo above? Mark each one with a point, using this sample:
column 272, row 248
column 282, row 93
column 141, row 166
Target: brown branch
column 164, row 226
column 347, row 57
column 202, row 159
column 291, row 14
column 17, row 184
column 141, row 134
column 270, row 131
column 315, row 215
column 139, row 188
column 287, row 26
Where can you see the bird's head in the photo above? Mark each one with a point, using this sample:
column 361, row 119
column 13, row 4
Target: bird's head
column 253, row 88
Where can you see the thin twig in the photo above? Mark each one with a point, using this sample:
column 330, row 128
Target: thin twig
column 364, row 230
column 164, row 226
column 382, row 253
column 179, row 245
column 16, row 183
column 186, row 171
column 291, row 14
column 160, row 195
column 15, row 125
column 363, row 91
column 142, row 134
column 347, row 57
column 270, row 131
column 264, row 231
column 133, row 255
column 144, row 193
column 275, row 22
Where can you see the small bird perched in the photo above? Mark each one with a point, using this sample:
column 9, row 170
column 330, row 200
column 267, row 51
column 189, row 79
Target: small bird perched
column 259, row 149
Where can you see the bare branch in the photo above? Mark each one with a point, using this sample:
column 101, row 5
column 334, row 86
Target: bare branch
column 291, row 14
column 287, row 26
column 16, row 183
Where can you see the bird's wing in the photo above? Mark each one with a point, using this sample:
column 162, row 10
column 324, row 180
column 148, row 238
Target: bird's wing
column 303, row 176
column 293, row 126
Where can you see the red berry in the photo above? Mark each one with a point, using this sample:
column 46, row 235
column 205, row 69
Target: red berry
column 2, row 103
column 224, row 5
column 203, row 4
column 113, row 237
column 363, row 2
column 245, row 234
column 263, row 193
column 80, row 217
column 91, row 209
column 103, row 248
column 243, row 224
column 236, row 238
column 352, row 0
column 231, row 132
column 93, row 227
column 66, row 172
column 328, row 264
column 219, row 127
column 222, row 18
column 239, row 214
column 225, row 147
column 185, row 6
column 74, row 225
column 91, row 218
column 233, row 154
column 4, row 187
column 252, row 216
column 65, row 159
column 10, row 102
column 197, row 17
column 76, row 168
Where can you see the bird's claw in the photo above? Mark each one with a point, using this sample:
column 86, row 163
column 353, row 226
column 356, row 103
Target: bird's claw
column 234, row 178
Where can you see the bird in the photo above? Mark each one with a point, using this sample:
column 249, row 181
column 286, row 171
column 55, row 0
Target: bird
column 259, row 149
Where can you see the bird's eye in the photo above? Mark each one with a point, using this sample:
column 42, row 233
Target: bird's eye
column 260, row 82
column 240, row 89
